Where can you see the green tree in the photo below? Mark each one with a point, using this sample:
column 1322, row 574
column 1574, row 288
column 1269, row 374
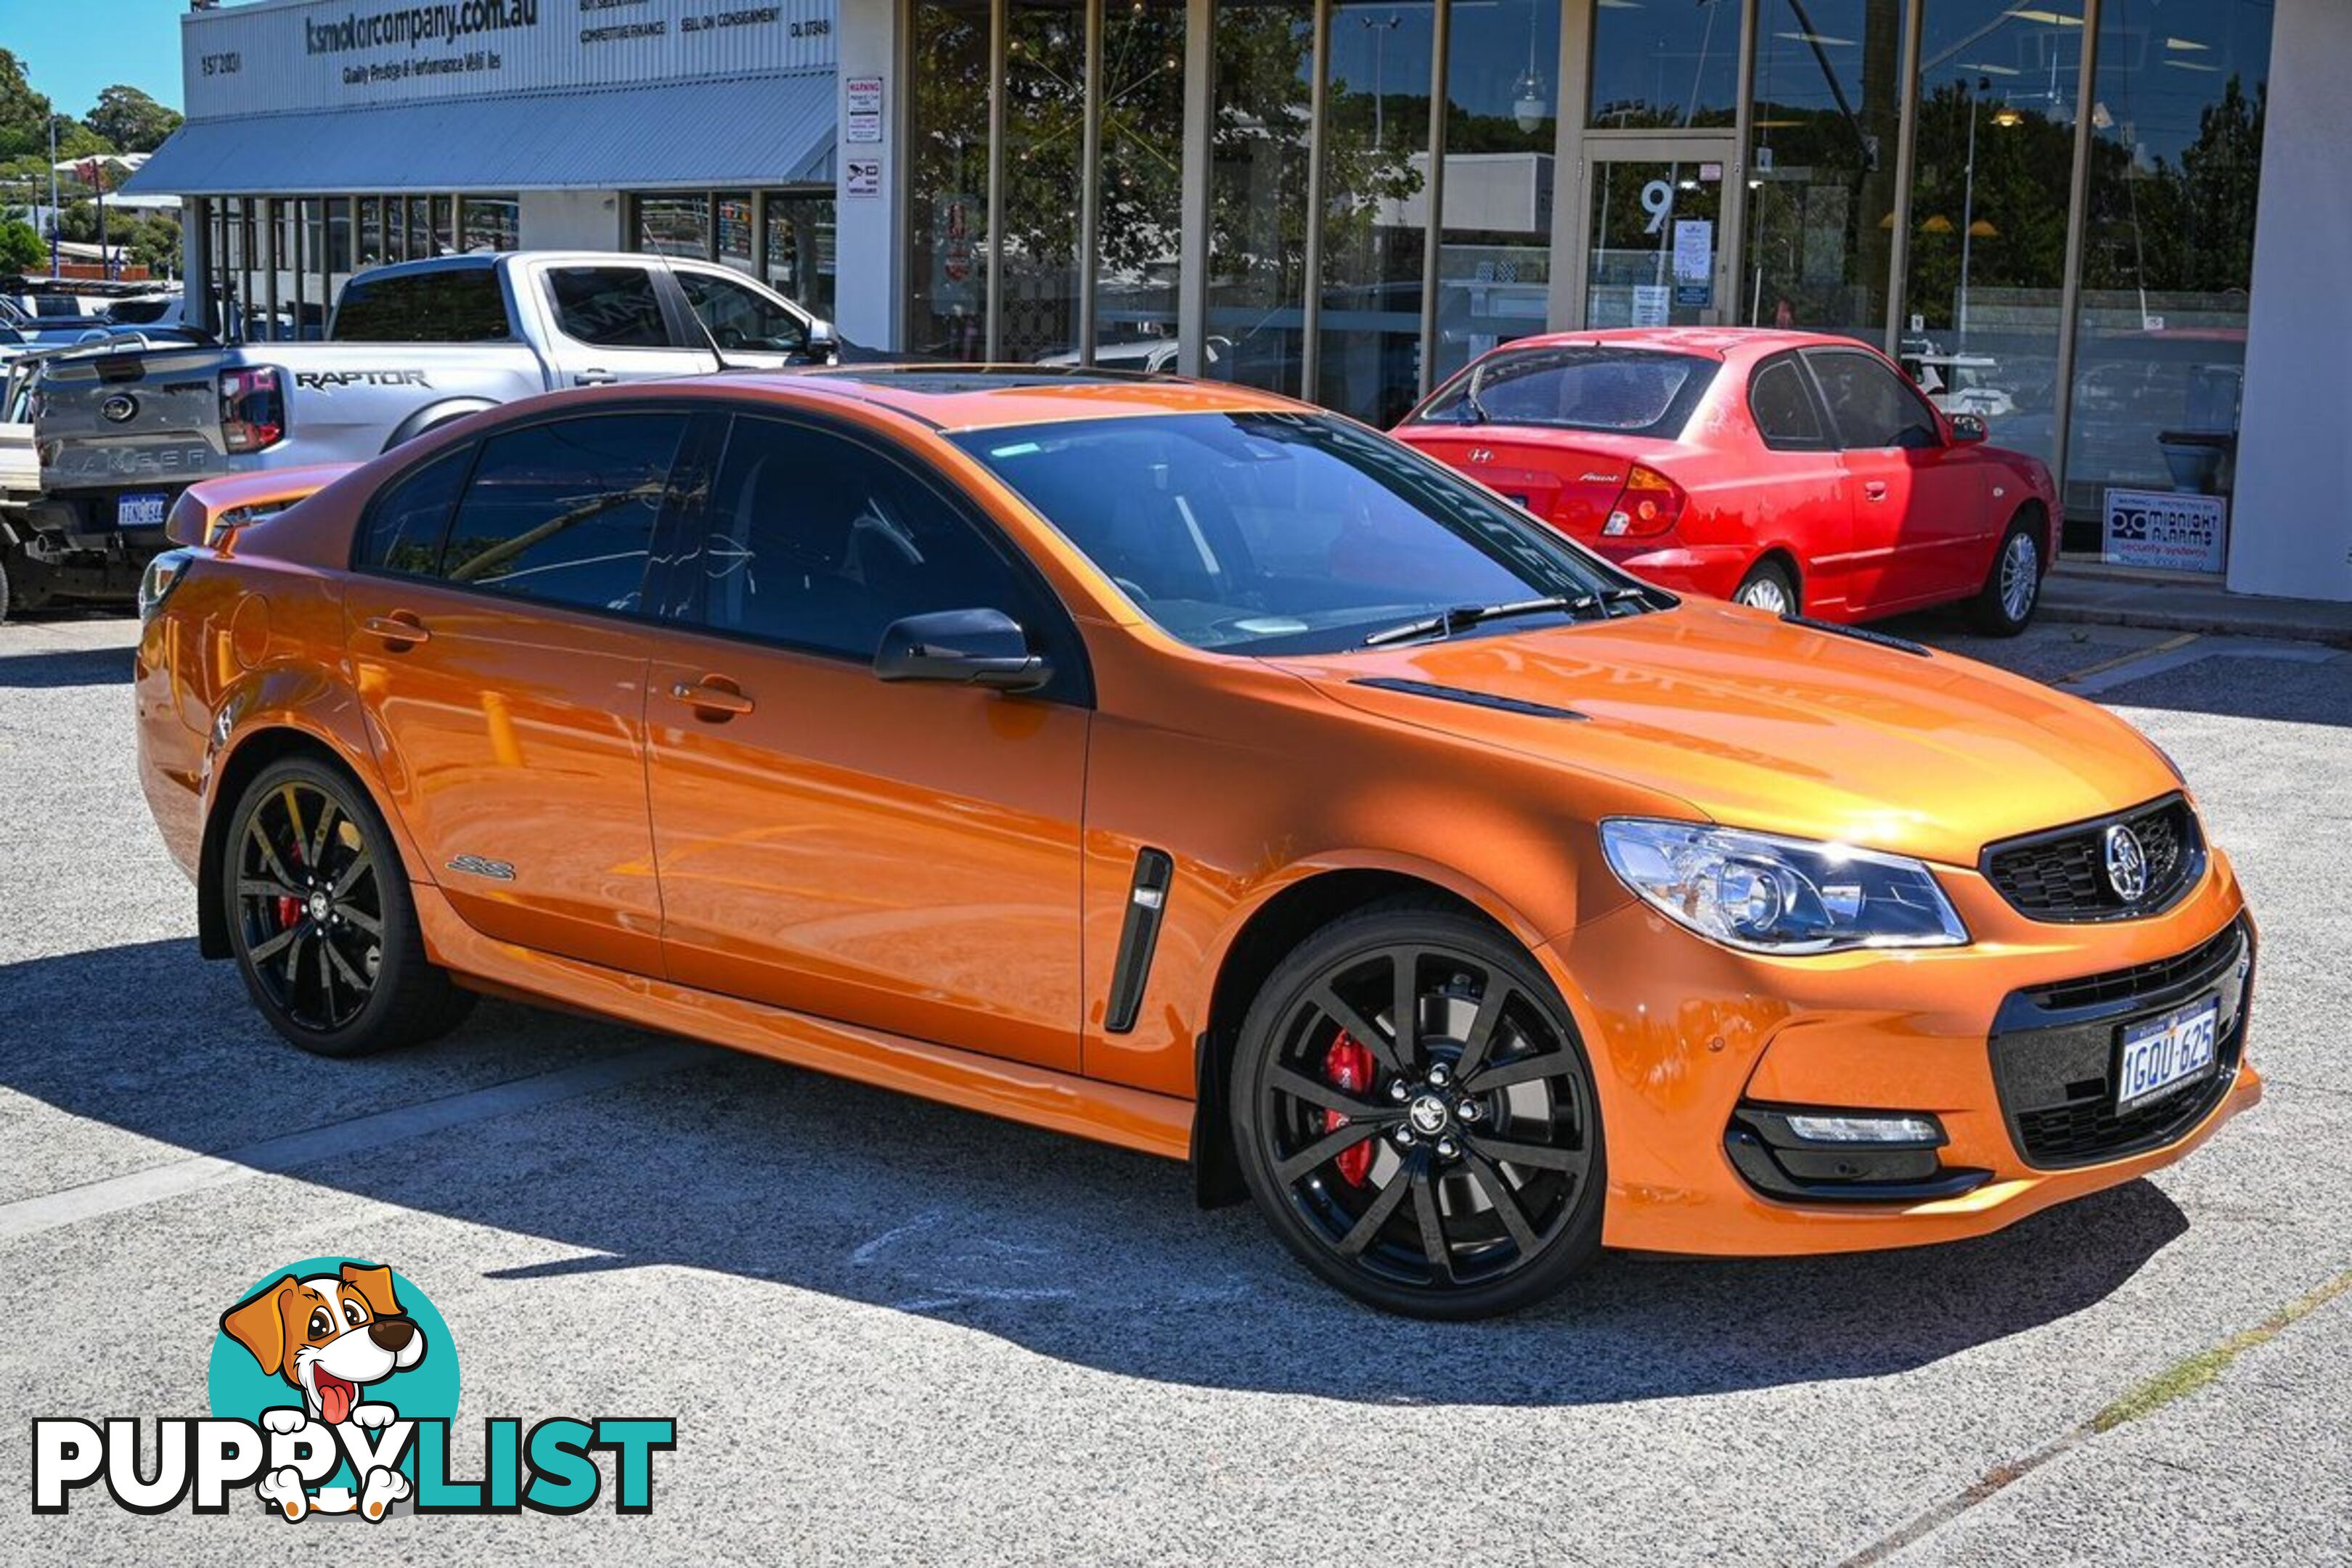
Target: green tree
column 133, row 121
column 21, row 249
column 24, row 113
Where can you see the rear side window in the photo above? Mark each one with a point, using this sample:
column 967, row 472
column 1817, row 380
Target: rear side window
column 449, row 305
column 1786, row 415
column 564, row 511
column 611, row 306
column 1633, row 391
column 405, row 525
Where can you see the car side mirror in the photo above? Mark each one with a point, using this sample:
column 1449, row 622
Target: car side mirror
column 962, row 648
column 823, row 343
column 1969, row 429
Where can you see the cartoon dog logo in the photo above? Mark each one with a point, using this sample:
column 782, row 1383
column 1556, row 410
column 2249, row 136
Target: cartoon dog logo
column 329, row 1335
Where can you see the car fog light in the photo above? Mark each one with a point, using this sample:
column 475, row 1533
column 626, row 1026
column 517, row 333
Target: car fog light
column 1866, row 1129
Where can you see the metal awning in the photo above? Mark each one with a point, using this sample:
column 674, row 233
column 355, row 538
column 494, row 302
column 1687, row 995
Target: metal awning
column 739, row 130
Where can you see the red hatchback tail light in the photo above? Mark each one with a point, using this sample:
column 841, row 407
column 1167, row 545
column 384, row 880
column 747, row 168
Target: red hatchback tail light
column 1650, row 504
column 252, row 409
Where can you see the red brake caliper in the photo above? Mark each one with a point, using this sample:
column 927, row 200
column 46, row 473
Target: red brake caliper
column 1348, row 1065
column 290, row 908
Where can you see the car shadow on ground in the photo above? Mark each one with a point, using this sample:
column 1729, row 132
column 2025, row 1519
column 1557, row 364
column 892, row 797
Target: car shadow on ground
column 65, row 668
column 1073, row 1250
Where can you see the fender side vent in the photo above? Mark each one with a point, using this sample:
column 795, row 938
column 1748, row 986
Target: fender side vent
column 1474, row 699
column 1146, row 904
column 1862, row 634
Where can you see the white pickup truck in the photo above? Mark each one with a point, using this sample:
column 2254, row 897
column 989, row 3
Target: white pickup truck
column 121, row 431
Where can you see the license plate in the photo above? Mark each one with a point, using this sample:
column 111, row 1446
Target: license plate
column 2164, row 1053
column 144, row 511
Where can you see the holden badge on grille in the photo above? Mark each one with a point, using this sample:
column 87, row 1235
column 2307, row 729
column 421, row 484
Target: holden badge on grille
column 2127, row 864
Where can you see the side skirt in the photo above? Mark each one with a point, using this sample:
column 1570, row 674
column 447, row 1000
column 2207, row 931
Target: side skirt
column 1110, row 1113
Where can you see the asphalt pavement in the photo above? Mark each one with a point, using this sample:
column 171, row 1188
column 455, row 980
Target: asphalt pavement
column 892, row 1332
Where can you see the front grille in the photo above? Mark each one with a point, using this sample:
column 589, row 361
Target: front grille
column 2054, row 1050
column 2062, row 875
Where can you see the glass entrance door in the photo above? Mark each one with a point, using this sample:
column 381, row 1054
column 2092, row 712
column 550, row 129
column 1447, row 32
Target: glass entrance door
column 1656, row 245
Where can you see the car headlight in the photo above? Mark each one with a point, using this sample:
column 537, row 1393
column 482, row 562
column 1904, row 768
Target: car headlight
column 1761, row 894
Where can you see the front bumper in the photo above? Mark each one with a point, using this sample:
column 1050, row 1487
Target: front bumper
column 2001, row 1042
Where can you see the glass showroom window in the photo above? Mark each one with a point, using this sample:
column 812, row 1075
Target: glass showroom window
column 1820, row 203
column 672, row 225
column 1990, row 187
column 736, row 231
column 800, row 254
column 1140, row 186
column 1264, row 61
column 1375, row 150
column 1501, row 124
column 947, row 179
column 2168, row 253
column 1045, row 139
column 1668, row 66
column 492, row 223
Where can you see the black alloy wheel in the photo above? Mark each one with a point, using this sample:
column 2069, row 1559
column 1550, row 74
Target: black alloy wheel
column 1416, row 1118
column 321, row 917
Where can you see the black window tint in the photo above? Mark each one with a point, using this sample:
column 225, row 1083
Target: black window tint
column 405, row 525
column 452, row 305
column 1871, row 404
column 611, row 307
column 565, row 511
column 739, row 316
column 1783, row 406
column 819, row 542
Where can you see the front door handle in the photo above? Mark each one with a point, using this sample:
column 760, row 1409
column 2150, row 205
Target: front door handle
column 1874, row 490
column 594, row 378
column 713, row 696
column 401, row 628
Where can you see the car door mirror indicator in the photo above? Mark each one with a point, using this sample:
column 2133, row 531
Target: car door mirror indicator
column 966, row 647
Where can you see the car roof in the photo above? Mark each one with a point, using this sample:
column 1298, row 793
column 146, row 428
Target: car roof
column 1710, row 342
column 985, row 396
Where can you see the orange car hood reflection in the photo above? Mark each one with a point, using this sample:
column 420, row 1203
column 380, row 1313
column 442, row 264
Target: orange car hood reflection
column 1774, row 727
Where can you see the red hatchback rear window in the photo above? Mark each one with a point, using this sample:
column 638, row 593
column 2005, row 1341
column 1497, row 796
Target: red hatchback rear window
column 1588, row 387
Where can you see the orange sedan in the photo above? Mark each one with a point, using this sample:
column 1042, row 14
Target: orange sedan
column 1186, row 768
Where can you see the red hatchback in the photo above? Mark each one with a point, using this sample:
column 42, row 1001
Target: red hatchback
column 1797, row 473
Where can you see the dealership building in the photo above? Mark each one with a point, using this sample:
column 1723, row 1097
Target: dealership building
column 2114, row 228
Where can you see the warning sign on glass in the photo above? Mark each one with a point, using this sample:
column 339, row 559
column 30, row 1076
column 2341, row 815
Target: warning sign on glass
column 2165, row 528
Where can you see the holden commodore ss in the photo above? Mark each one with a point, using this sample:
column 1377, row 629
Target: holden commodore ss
column 1183, row 767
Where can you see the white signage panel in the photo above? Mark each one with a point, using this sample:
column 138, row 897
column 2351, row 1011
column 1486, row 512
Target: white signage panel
column 2165, row 528
column 329, row 54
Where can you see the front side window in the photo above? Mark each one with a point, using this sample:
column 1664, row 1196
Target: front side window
column 609, row 307
column 819, row 542
column 564, row 511
column 404, row 528
column 1278, row 532
column 1871, row 406
column 447, row 305
column 1633, row 391
column 738, row 316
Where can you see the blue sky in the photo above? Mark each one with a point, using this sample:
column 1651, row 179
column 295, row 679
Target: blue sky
column 73, row 47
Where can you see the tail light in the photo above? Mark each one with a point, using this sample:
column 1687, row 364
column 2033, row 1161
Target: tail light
column 252, row 409
column 1650, row 504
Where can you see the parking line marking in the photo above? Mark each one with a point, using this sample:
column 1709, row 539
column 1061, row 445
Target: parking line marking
column 2170, row 656
column 288, row 1154
column 2072, row 676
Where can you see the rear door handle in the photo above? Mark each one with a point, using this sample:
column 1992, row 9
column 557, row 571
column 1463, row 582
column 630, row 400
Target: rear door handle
column 400, row 628
column 594, row 378
column 714, row 696
column 1874, row 490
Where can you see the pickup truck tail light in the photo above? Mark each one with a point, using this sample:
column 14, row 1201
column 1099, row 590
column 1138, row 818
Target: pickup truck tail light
column 252, row 409
column 1650, row 504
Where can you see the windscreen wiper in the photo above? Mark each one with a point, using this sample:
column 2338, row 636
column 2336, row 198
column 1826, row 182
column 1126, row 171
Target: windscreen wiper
column 1445, row 622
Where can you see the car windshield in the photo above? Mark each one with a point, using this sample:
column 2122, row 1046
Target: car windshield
column 1576, row 386
column 1279, row 532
